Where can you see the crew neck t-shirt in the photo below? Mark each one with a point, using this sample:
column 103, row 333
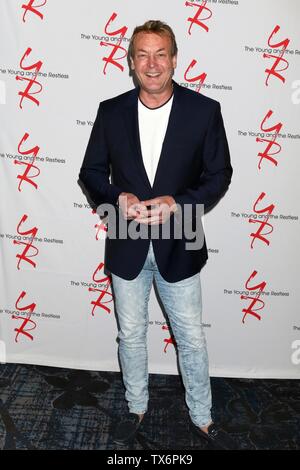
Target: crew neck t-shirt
column 153, row 124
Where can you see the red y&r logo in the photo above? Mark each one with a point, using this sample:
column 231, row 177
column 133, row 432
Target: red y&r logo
column 254, row 300
column 101, row 227
column 26, row 320
column 200, row 78
column 196, row 19
column 263, row 223
column 103, row 292
column 28, row 246
column 115, row 47
column 267, row 154
column 33, row 9
column 277, row 59
column 168, row 341
column 31, row 81
column 29, row 166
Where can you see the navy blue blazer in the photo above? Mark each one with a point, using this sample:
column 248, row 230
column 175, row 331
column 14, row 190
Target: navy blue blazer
column 194, row 167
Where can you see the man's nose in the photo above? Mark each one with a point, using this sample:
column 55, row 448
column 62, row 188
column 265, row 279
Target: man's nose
column 151, row 61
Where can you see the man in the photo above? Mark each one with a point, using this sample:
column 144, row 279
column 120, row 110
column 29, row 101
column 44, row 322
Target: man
column 166, row 151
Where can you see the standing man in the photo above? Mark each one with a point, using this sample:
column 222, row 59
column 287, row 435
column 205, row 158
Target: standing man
column 166, row 151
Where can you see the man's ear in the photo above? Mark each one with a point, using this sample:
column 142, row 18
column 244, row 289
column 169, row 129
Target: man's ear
column 174, row 61
column 131, row 64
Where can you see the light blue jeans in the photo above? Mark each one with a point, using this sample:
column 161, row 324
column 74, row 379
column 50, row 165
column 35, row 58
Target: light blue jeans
column 182, row 303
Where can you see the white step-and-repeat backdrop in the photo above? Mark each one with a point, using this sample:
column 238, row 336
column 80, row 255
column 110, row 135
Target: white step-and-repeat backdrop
column 58, row 59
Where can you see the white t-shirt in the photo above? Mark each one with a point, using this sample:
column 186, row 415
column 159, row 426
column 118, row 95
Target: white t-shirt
column 153, row 124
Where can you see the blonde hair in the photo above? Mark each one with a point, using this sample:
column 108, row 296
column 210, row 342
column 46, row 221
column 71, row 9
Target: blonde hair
column 157, row 27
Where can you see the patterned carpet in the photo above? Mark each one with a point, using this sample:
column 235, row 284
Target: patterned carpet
column 51, row 408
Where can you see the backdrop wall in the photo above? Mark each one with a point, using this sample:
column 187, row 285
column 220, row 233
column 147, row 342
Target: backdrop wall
column 57, row 61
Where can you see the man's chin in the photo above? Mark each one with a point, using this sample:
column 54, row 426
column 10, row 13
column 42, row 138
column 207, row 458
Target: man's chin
column 153, row 90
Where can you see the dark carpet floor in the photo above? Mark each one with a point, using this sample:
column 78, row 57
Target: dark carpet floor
column 51, row 408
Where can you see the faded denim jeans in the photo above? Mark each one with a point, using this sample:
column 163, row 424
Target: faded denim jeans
column 183, row 305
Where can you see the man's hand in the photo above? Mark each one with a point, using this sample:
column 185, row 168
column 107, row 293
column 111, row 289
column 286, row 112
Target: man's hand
column 130, row 205
column 163, row 207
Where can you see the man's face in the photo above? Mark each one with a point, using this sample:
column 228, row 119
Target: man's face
column 152, row 62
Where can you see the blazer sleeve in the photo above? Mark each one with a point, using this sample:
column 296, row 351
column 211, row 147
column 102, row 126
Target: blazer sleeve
column 217, row 170
column 95, row 169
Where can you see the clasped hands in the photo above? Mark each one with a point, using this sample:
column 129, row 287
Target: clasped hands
column 161, row 208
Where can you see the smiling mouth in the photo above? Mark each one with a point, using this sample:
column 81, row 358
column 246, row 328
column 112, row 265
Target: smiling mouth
column 152, row 75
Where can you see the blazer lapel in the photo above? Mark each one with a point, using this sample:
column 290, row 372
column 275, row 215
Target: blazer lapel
column 132, row 124
column 168, row 147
